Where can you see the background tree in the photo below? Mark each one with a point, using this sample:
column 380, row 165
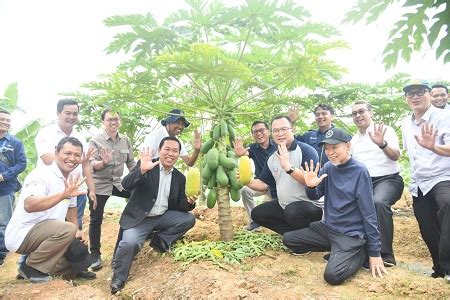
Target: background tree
column 422, row 20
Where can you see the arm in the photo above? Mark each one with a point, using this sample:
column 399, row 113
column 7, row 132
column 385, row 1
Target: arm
column 45, row 146
column 144, row 165
column 379, row 138
column 258, row 185
column 191, row 159
column 41, row 203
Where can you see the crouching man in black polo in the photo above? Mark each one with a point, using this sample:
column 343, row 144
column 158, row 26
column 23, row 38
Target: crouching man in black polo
column 158, row 204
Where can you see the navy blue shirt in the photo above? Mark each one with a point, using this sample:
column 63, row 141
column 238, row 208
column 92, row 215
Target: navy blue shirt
column 349, row 207
column 313, row 138
column 12, row 163
column 260, row 156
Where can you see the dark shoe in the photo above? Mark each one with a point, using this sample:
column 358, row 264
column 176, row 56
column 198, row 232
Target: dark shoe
column 33, row 275
column 388, row 260
column 326, row 257
column 157, row 244
column 366, row 265
column 86, row 275
column 96, row 262
column 253, row 226
column 19, row 277
column 116, row 284
column 2, row 261
column 437, row 274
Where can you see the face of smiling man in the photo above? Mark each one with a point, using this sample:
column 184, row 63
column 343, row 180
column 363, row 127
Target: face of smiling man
column 68, row 158
column 169, row 153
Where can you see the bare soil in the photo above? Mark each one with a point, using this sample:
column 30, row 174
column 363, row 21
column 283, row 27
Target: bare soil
column 275, row 275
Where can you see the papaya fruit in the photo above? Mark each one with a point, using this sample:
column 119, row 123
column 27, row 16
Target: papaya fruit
column 206, row 173
column 231, row 132
column 226, row 162
column 207, row 146
column 212, row 181
column 234, row 182
column 223, row 128
column 245, row 170
column 193, row 182
column 216, row 132
column 235, row 195
column 213, row 158
column 231, row 154
column 221, row 176
column 211, row 198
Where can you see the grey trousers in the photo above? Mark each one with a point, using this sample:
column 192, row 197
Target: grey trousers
column 386, row 191
column 45, row 245
column 347, row 254
column 171, row 226
column 247, row 195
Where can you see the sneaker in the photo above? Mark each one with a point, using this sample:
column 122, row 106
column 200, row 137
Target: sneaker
column 300, row 253
column 86, row 275
column 388, row 260
column 33, row 275
column 253, row 227
column 158, row 245
column 96, row 262
column 326, row 257
column 447, row 278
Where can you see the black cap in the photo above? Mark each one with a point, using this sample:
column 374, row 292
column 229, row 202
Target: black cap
column 78, row 256
column 335, row 136
column 173, row 116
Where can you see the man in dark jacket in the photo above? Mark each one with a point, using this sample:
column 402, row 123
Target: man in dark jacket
column 158, row 203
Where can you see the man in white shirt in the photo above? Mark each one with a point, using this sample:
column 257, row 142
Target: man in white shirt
column 48, row 137
column 38, row 227
column 426, row 138
column 377, row 147
column 173, row 125
column 439, row 96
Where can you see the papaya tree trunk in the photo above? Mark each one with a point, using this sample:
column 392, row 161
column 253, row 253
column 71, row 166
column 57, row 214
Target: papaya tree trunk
column 225, row 220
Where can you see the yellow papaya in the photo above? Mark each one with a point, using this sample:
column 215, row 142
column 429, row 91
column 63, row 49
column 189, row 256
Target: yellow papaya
column 245, row 170
column 193, row 182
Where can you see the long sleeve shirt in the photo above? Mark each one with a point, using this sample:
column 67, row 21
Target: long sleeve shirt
column 12, row 163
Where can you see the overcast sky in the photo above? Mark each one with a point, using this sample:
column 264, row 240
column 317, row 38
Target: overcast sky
column 53, row 46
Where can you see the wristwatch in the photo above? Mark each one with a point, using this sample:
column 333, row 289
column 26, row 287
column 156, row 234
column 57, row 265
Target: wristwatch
column 292, row 169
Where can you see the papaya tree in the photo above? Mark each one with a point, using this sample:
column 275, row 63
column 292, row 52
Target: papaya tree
column 225, row 66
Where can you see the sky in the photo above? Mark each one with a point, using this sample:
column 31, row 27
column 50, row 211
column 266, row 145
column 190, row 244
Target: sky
column 53, row 46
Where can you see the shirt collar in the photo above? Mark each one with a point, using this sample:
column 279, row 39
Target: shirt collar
column 161, row 169
column 293, row 146
column 107, row 137
column 271, row 144
column 426, row 116
column 7, row 136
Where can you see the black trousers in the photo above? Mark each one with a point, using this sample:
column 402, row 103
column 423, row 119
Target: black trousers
column 96, row 218
column 386, row 191
column 296, row 215
column 432, row 212
column 347, row 254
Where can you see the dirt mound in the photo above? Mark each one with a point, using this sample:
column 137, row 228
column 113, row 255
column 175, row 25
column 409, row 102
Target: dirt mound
column 274, row 275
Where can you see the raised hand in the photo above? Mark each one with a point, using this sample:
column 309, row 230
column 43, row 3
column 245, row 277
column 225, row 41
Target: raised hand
column 197, row 140
column 239, row 147
column 378, row 134
column 283, row 156
column 428, row 137
column 86, row 156
column 310, row 175
column 106, row 155
column 293, row 113
column 146, row 156
column 71, row 184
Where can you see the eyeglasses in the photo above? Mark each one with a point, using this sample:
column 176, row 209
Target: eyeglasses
column 282, row 130
column 112, row 120
column 261, row 131
column 418, row 93
column 359, row 112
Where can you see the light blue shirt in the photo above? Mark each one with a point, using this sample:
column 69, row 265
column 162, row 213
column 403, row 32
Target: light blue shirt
column 427, row 168
column 162, row 200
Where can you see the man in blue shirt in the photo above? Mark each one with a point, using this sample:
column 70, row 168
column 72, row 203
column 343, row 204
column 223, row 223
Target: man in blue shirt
column 349, row 227
column 12, row 163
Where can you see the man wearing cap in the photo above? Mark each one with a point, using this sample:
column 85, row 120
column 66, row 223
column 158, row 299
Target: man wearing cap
column 439, row 96
column 349, row 227
column 377, row 147
column 426, row 138
column 38, row 227
column 12, row 163
column 173, row 125
column 114, row 151
column 292, row 210
column 158, row 204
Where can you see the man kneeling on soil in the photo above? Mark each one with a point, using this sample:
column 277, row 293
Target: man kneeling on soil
column 38, row 227
column 158, row 205
column 349, row 227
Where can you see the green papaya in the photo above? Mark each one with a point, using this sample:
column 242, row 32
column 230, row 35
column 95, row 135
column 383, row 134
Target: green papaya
column 231, row 154
column 221, row 177
column 223, row 128
column 213, row 158
column 206, row 173
column 212, row 181
column 216, row 132
column 234, row 182
column 207, row 146
column 226, row 162
column 235, row 195
column 211, row 198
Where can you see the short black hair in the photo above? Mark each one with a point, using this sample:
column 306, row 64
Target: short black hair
column 281, row 117
column 324, row 107
column 106, row 110
column 169, row 138
column 259, row 122
column 71, row 140
column 439, row 85
column 66, row 101
column 2, row 111
column 368, row 105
